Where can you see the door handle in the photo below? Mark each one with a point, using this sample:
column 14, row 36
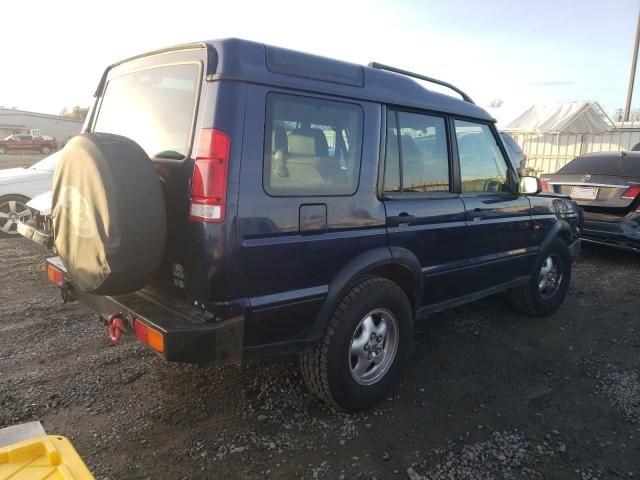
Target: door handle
column 400, row 219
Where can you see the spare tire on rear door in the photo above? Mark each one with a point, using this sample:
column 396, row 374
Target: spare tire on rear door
column 108, row 213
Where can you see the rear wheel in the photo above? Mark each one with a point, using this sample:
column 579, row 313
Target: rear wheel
column 3, row 149
column 545, row 291
column 13, row 209
column 363, row 348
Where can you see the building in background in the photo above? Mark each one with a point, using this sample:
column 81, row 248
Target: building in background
column 20, row 121
column 552, row 135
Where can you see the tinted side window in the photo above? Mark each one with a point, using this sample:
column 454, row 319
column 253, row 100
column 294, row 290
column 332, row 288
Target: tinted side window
column 312, row 146
column 423, row 147
column 420, row 143
column 482, row 165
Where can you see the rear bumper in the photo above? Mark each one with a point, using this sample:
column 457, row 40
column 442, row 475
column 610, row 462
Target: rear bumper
column 189, row 336
column 32, row 232
column 624, row 235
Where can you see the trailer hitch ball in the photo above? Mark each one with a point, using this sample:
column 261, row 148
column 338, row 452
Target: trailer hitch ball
column 115, row 325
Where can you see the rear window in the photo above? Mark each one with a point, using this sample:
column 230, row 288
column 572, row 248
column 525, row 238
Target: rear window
column 618, row 165
column 312, row 146
column 153, row 107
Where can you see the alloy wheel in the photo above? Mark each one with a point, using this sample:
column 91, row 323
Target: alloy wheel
column 11, row 212
column 373, row 346
column 550, row 276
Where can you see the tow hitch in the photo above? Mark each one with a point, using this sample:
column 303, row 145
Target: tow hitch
column 115, row 324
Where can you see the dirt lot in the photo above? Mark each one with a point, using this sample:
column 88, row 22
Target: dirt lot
column 19, row 159
column 488, row 393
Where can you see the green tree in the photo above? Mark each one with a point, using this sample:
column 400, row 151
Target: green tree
column 76, row 112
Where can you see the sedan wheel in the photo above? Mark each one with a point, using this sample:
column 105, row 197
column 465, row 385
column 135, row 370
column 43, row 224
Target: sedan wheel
column 12, row 210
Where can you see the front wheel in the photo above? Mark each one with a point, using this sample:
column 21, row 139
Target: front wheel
column 13, row 209
column 363, row 348
column 45, row 150
column 545, row 291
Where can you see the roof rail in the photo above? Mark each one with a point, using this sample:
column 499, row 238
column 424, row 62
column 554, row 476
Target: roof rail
column 381, row 66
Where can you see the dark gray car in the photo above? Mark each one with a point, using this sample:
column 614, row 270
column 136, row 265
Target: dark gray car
column 607, row 187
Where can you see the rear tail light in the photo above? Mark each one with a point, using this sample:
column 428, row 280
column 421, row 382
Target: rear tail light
column 55, row 275
column 209, row 182
column 545, row 186
column 148, row 335
column 630, row 193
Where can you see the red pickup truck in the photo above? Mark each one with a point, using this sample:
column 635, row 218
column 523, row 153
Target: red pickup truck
column 28, row 142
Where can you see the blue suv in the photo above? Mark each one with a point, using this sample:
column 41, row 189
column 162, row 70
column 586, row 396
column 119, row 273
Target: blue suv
column 231, row 200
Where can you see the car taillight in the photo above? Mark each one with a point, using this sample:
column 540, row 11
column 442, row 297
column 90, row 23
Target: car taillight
column 209, row 182
column 545, row 186
column 55, row 275
column 148, row 335
column 630, row 193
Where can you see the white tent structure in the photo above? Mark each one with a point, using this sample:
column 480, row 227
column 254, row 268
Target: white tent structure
column 553, row 134
column 574, row 117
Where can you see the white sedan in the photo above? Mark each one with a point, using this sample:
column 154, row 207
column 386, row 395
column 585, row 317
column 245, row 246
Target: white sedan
column 18, row 186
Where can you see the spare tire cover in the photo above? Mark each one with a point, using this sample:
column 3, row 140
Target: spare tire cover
column 108, row 214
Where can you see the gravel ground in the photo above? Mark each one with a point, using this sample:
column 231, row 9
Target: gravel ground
column 487, row 394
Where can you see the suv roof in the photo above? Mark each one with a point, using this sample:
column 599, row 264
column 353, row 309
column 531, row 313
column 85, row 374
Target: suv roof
column 237, row 59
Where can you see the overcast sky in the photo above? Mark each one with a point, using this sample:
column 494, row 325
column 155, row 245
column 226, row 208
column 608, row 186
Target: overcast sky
column 54, row 52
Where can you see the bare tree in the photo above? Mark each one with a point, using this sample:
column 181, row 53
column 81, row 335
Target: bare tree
column 76, row 112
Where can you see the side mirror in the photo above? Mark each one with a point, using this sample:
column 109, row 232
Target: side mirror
column 530, row 186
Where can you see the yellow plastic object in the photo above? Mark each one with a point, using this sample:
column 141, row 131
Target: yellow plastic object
column 50, row 456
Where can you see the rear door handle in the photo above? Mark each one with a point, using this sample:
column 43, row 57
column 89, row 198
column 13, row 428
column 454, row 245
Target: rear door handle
column 397, row 220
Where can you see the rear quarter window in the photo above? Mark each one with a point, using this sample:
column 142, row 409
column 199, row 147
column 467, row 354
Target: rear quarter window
column 312, row 146
column 154, row 107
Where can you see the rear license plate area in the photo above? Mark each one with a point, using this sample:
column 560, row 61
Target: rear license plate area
column 584, row 193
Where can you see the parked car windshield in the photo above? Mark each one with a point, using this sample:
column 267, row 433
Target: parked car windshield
column 153, row 107
column 627, row 165
column 511, row 143
column 47, row 164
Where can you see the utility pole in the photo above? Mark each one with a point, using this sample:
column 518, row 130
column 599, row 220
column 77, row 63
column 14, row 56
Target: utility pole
column 632, row 78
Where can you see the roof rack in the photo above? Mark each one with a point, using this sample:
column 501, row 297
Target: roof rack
column 381, row 66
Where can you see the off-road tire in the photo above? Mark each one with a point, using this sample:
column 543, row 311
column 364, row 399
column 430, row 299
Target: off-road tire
column 108, row 213
column 325, row 368
column 528, row 299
